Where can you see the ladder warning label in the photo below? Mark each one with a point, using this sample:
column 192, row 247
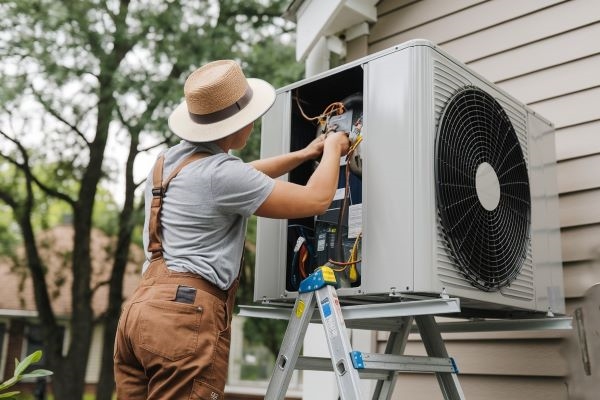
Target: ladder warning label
column 330, row 326
column 328, row 322
column 326, row 307
column 300, row 309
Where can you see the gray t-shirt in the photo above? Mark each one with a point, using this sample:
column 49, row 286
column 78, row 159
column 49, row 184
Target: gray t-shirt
column 205, row 211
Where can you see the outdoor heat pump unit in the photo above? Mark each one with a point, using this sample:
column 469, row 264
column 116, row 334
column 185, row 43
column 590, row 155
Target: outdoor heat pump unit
column 450, row 188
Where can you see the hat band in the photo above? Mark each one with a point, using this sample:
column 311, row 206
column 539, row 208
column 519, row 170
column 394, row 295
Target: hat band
column 226, row 112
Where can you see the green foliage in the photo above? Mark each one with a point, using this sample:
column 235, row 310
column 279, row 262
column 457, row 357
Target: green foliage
column 266, row 332
column 8, row 232
column 85, row 87
column 50, row 212
column 106, row 212
column 274, row 62
column 20, row 367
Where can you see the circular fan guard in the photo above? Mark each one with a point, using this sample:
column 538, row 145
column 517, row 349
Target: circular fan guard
column 482, row 189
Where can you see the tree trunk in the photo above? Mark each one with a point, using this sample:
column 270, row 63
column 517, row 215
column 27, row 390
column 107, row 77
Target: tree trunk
column 68, row 384
column 106, row 382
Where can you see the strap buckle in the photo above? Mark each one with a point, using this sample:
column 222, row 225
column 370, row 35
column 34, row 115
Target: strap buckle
column 158, row 192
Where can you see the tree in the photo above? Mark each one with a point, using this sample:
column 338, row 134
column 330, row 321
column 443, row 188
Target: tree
column 85, row 88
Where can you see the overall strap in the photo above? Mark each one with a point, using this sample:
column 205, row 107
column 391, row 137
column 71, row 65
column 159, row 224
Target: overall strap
column 159, row 188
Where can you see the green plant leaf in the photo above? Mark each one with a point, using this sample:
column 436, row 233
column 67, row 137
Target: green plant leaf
column 37, row 373
column 8, row 395
column 30, row 359
column 9, row 382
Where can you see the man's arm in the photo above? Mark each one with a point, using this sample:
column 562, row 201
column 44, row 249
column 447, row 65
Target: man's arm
column 290, row 200
column 282, row 164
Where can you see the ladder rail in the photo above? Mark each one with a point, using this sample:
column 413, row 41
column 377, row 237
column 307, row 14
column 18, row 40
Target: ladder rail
column 348, row 380
column 395, row 345
column 434, row 345
column 290, row 347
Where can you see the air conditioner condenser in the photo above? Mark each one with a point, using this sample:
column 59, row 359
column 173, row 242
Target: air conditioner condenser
column 451, row 190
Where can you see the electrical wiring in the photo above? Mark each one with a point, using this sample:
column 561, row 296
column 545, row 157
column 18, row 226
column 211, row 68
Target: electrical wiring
column 352, row 260
column 354, row 145
column 338, row 244
column 338, row 260
column 303, row 256
column 353, row 273
column 333, row 108
column 302, row 260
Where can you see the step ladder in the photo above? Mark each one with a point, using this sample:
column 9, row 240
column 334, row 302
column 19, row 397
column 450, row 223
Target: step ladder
column 318, row 291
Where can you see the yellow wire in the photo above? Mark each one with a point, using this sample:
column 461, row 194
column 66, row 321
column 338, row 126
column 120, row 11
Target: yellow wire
column 354, row 145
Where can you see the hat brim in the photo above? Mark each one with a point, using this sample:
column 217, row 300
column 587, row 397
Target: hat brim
column 180, row 123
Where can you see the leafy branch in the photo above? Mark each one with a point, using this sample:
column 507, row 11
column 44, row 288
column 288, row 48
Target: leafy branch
column 20, row 367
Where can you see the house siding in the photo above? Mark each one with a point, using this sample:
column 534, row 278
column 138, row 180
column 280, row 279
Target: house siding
column 94, row 364
column 546, row 54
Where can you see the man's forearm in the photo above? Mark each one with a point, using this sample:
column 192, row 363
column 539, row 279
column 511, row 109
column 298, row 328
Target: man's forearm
column 282, row 164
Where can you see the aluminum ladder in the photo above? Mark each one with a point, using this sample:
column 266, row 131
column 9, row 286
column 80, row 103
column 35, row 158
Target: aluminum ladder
column 318, row 290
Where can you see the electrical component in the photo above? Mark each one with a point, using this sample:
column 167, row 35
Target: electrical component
column 303, row 259
column 334, row 246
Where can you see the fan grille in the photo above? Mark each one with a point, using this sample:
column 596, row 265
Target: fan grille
column 482, row 189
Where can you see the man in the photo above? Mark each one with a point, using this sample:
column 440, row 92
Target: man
column 174, row 333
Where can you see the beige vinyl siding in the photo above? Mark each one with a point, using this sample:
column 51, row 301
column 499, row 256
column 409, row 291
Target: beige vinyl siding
column 507, row 366
column 580, row 244
column 457, row 28
column 575, row 208
column 535, row 56
column 512, row 30
column 92, row 372
column 579, row 173
column 504, row 357
column 545, row 53
column 572, row 77
column 490, row 388
column 582, row 106
column 579, row 276
column 395, row 19
column 577, row 141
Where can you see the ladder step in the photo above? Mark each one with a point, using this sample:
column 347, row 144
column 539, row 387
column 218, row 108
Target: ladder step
column 391, row 362
column 373, row 363
column 324, row 364
column 314, row 363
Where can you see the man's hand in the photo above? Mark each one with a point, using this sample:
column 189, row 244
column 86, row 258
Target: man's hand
column 340, row 139
column 315, row 148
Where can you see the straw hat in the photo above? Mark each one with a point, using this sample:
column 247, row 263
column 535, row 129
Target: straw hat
column 219, row 101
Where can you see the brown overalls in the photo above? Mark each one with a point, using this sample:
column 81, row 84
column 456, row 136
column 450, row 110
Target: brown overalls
column 174, row 333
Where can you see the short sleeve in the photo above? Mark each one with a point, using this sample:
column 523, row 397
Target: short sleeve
column 239, row 188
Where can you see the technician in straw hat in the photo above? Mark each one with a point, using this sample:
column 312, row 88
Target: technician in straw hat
column 173, row 336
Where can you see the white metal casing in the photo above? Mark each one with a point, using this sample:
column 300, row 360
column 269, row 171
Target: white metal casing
column 405, row 89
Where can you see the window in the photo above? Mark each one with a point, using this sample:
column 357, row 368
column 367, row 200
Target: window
column 2, row 350
column 34, row 342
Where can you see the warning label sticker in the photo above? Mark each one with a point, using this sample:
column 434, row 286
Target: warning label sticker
column 328, row 323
